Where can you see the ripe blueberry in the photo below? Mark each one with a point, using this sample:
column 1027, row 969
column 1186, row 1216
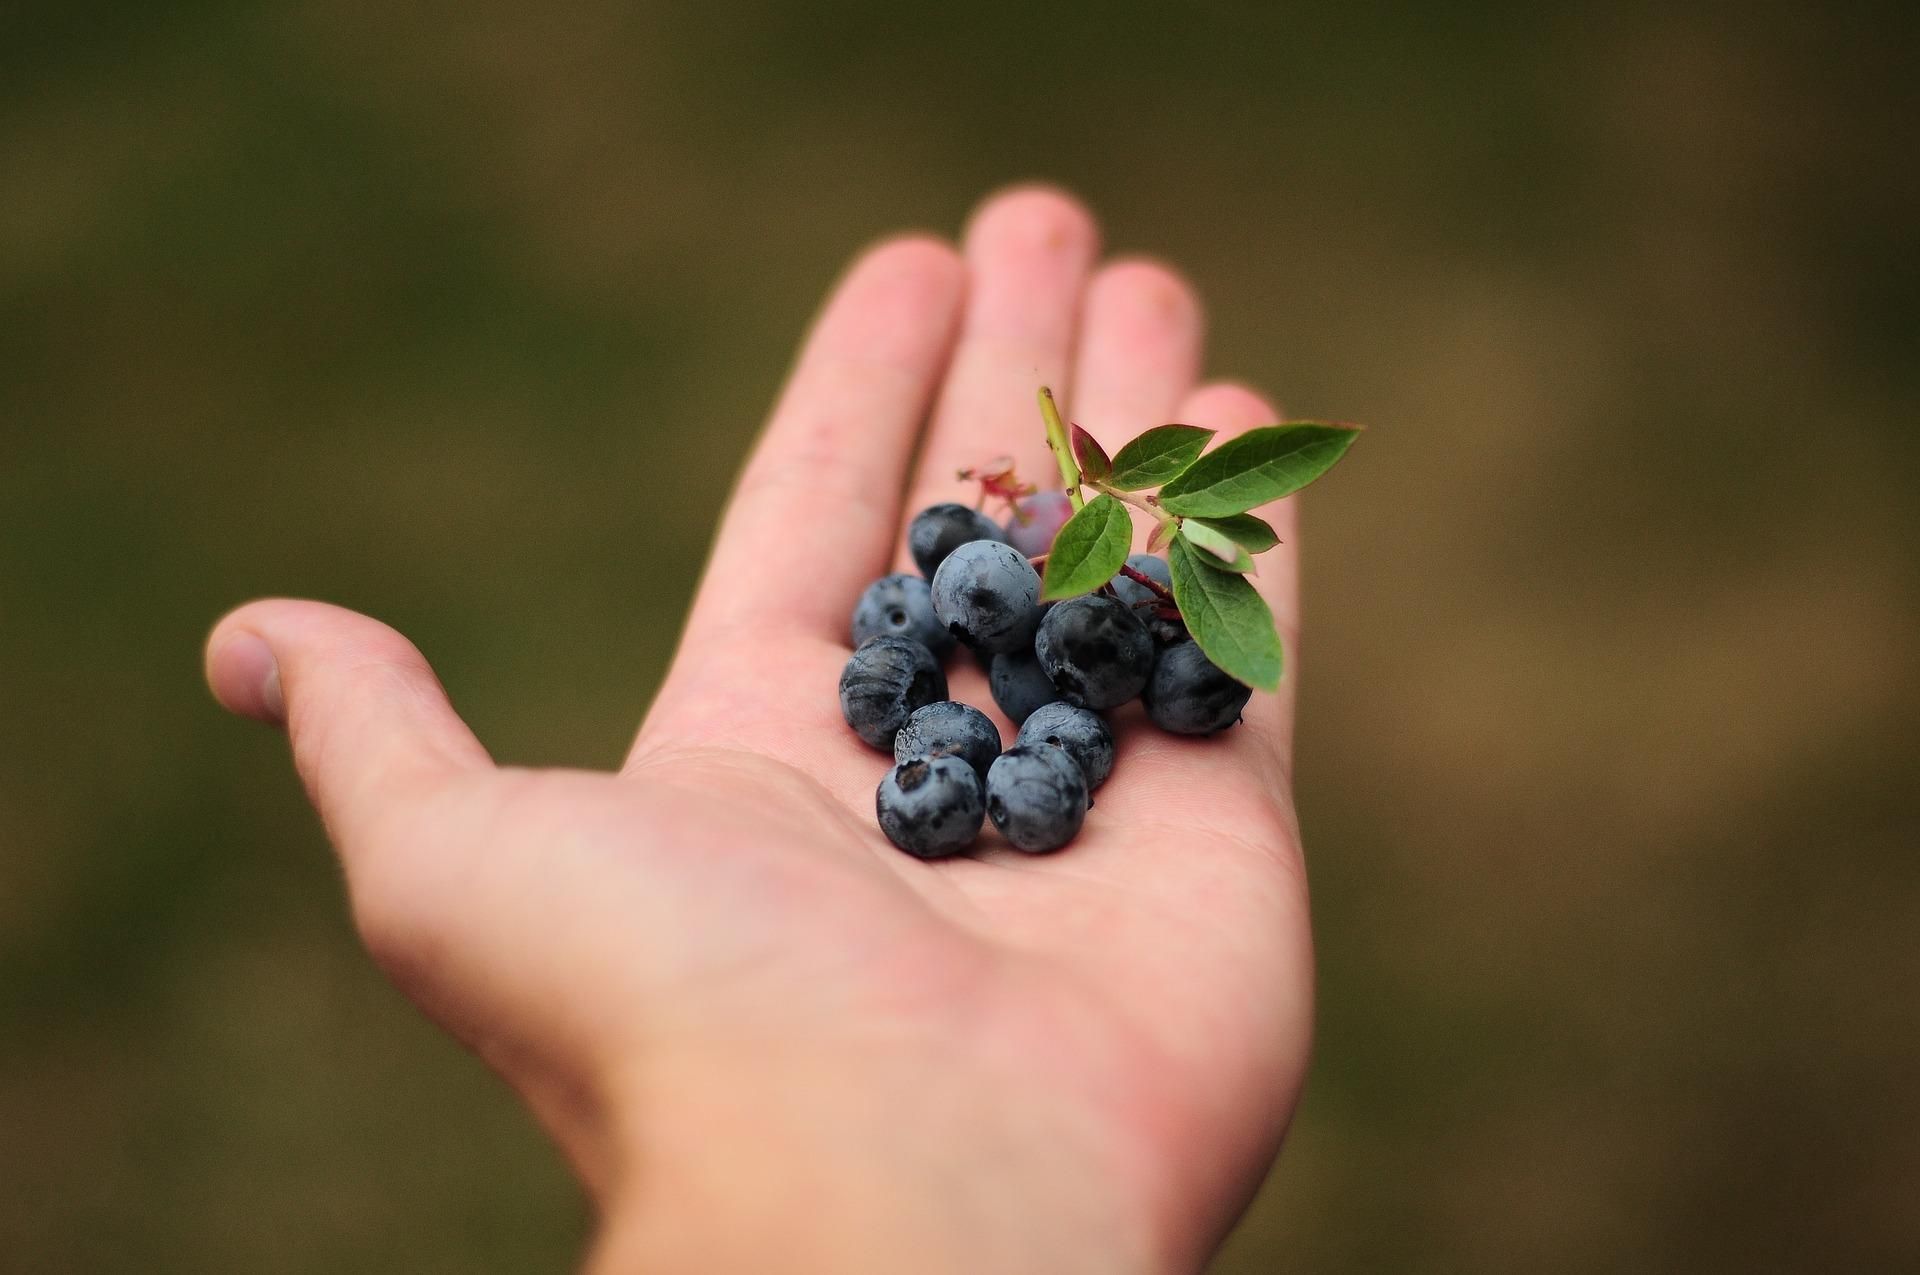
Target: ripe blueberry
column 1036, row 519
column 1082, row 732
column 884, row 681
column 1188, row 695
column 931, row 807
column 902, row 605
column 1097, row 652
column 1019, row 684
column 1036, row 797
column 988, row 596
column 947, row 729
column 938, row 530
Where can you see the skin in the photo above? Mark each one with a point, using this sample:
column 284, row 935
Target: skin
column 764, row 1037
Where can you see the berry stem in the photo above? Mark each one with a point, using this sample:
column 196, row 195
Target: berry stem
column 1061, row 448
column 1142, row 578
column 1146, row 504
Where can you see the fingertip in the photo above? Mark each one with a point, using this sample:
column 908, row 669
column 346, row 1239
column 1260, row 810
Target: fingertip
column 912, row 255
column 1229, row 407
column 244, row 675
column 1033, row 215
column 1148, row 292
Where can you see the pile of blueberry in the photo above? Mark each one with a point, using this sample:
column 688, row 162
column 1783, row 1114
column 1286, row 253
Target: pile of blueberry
column 1053, row 669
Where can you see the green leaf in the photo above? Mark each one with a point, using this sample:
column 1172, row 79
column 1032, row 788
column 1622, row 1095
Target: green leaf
column 1259, row 466
column 1226, row 617
column 1092, row 457
column 1088, row 549
column 1250, row 533
column 1226, row 555
column 1157, row 456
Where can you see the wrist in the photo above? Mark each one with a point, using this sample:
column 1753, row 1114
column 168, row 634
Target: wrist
column 901, row 1169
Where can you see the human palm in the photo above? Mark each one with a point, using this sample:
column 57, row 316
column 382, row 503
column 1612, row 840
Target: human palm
column 709, row 974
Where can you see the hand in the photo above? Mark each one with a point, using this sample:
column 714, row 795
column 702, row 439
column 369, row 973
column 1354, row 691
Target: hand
column 765, row 1038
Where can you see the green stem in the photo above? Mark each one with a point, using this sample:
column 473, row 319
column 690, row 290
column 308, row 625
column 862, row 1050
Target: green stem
column 1061, row 448
column 1138, row 501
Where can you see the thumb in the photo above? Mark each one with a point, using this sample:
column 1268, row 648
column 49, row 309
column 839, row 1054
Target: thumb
column 370, row 725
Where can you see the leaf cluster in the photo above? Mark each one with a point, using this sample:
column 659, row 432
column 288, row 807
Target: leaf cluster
column 1203, row 517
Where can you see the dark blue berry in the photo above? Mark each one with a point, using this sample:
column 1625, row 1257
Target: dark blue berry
column 1084, row 735
column 1019, row 684
column 883, row 682
column 901, row 605
column 947, row 729
column 1097, row 652
column 930, row 807
column 938, row 530
column 1036, row 797
column 988, row 596
column 1189, row 695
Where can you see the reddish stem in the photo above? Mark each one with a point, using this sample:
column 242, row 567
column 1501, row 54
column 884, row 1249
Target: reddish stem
column 1142, row 578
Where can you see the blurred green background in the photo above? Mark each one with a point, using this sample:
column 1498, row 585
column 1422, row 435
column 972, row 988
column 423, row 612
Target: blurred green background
column 464, row 315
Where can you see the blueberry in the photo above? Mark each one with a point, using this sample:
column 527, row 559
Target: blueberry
column 938, row 530
column 1188, row 695
column 1036, row 519
column 947, row 729
column 1019, row 684
column 930, row 807
column 988, row 596
column 1084, row 735
column 1097, row 652
column 1036, row 797
column 1142, row 599
column 884, row 681
column 902, row 605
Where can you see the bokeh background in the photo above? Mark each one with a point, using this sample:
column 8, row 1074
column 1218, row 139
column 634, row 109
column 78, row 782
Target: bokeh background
column 464, row 315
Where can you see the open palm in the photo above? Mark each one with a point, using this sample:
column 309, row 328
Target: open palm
column 715, row 981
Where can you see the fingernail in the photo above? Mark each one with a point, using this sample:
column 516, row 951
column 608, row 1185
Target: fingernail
column 253, row 673
column 271, row 696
